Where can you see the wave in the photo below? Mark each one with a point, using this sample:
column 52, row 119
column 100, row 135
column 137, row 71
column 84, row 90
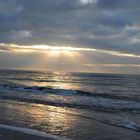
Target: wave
column 122, row 122
column 31, row 132
column 80, row 80
column 30, row 79
column 94, row 103
column 59, row 91
column 69, row 98
column 35, row 89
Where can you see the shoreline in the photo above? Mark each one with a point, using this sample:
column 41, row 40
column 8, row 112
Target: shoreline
column 8, row 132
column 63, row 122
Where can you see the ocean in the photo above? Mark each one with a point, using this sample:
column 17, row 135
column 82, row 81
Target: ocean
column 79, row 106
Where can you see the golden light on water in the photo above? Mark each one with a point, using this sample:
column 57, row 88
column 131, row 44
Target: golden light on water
column 55, row 119
column 41, row 117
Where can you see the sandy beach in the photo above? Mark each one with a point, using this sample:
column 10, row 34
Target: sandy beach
column 6, row 134
column 55, row 122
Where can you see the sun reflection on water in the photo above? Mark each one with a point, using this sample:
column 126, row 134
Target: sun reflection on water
column 60, row 80
column 52, row 119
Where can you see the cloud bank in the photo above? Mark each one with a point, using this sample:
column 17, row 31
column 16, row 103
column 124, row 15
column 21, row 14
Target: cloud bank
column 112, row 28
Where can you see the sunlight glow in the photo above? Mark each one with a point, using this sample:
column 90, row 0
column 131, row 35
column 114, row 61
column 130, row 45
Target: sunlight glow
column 61, row 50
column 45, row 47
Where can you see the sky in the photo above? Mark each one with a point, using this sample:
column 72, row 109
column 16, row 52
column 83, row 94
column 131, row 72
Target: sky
column 101, row 36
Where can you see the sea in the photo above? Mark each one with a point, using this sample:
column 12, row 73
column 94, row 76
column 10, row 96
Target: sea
column 78, row 106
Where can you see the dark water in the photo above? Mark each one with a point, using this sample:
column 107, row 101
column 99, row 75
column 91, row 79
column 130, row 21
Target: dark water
column 77, row 103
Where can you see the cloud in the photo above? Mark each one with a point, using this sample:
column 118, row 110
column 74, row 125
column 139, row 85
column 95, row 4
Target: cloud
column 88, row 1
column 110, row 27
column 42, row 48
column 112, row 65
column 119, row 4
column 10, row 7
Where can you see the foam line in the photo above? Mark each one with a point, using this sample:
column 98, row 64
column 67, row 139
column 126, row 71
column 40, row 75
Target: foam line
column 31, row 132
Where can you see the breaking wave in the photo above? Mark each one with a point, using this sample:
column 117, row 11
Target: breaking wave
column 69, row 98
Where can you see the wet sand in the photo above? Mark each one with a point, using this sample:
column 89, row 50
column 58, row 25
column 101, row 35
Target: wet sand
column 13, row 135
column 62, row 122
column 8, row 132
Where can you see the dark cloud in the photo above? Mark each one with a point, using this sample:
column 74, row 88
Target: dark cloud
column 119, row 4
